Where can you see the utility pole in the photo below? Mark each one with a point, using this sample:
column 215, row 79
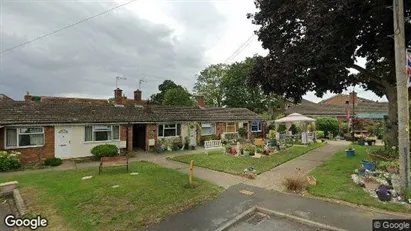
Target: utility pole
column 402, row 93
column 353, row 113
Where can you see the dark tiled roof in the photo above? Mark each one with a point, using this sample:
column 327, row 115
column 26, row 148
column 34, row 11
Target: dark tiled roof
column 322, row 109
column 54, row 113
column 4, row 98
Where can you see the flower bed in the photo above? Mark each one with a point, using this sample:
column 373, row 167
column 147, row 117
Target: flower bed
column 9, row 161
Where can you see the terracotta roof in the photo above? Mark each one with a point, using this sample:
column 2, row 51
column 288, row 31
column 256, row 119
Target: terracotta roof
column 4, row 98
column 54, row 113
column 346, row 95
column 330, row 109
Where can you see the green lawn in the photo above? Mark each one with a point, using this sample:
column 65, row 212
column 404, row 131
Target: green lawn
column 236, row 165
column 74, row 204
column 334, row 181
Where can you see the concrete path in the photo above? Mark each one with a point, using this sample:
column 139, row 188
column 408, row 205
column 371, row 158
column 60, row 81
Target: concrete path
column 304, row 164
column 231, row 203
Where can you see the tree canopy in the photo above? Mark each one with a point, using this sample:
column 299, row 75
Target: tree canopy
column 209, row 84
column 313, row 45
column 178, row 96
column 158, row 98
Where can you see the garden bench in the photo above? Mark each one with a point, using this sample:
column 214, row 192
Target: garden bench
column 112, row 162
column 212, row 144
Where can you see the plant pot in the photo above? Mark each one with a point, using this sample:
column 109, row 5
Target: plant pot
column 246, row 153
column 361, row 142
column 361, row 171
column 371, row 166
column 272, row 142
column 350, row 153
column 392, row 169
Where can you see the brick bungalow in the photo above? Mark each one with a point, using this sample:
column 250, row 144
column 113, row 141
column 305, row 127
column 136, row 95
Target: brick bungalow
column 41, row 129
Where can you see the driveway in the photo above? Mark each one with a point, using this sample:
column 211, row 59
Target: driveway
column 231, row 203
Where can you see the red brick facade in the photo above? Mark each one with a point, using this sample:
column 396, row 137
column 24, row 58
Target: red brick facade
column 37, row 154
column 151, row 133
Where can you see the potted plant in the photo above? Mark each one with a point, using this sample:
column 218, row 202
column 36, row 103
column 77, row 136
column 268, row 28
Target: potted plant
column 246, row 150
column 392, row 167
column 361, row 141
column 369, row 165
column 350, row 152
column 259, row 149
column 228, row 148
column 361, row 171
column 250, row 149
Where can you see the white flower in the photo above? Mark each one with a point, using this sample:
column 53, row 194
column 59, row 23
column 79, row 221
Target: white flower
column 393, row 147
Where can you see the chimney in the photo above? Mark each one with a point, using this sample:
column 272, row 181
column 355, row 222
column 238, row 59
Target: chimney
column 118, row 96
column 353, row 97
column 137, row 95
column 200, row 101
column 27, row 97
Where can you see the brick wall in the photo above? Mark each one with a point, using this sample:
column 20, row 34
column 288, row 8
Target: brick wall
column 38, row 154
column 123, row 132
column 341, row 99
column 220, row 128
column 151, row 133
column 129, row 137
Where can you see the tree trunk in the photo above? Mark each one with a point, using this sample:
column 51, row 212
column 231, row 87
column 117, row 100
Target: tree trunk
column 391, row 137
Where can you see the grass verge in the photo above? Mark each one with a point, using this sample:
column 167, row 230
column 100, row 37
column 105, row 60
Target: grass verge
column 235, row 165
column 334, row 181
column 70, row 203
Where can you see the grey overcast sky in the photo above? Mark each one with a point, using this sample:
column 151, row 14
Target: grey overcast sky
column 150, row 39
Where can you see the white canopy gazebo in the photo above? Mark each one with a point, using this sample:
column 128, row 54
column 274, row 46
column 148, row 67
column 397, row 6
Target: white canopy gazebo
column 292, row 119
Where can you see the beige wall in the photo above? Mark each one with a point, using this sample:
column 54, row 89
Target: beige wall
column 80, row 148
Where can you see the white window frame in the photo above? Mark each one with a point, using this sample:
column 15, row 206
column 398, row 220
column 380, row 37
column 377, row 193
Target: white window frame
column 93, row 130
column 235, row 127
column 259, row 126
column 18, row 136
column 164, row 128
column 212, row 126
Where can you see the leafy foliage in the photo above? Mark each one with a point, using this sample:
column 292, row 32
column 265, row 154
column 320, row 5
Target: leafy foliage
column 319, row 134
column 328, row 125
column 53, row 161
column 209, row 84
column 178, row 97
column 9, row 161
column 311, row 48
column 104, row 150
column 163, row 88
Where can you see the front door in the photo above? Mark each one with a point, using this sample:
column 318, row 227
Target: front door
column 193, row 137
column 63, row 142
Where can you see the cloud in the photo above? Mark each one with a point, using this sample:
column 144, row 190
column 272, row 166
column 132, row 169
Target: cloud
column 85, row 59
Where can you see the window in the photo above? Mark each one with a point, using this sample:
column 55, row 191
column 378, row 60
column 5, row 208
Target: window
column 24, row 137
column 169, row 130
column 102, row 133
column 256, row 127
column 231, row 127
column 207, row 129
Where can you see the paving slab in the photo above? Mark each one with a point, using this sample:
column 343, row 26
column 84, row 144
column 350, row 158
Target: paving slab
column 231, row 203
column 302, row 165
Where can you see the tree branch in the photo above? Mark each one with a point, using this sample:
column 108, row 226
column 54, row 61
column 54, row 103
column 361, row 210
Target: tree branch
column 367, row 73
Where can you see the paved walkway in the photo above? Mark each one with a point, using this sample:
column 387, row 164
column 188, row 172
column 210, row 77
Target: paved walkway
column 231, row 203
column 304, row 164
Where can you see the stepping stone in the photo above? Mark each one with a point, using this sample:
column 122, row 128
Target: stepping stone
column 115, row 186
column 134, row 173
column 246, row 192
column 86, row 177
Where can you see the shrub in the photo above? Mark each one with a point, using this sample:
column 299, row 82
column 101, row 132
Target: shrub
column 242, row 132
column 319, row 134
column 295, row 183
column 271, row 134
column 9, row 161
column 328, row 125
column 104, row 150
column 53, row 162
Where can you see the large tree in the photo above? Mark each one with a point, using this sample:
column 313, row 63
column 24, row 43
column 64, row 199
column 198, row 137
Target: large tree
column 313, row 45
column 178, row 96
column 209, row 84
column 158, row 98
column 238, row 94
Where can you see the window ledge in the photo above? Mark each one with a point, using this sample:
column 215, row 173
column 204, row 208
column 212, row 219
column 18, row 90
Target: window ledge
column 23, row 147
column 167, row 137
column 99, row 142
